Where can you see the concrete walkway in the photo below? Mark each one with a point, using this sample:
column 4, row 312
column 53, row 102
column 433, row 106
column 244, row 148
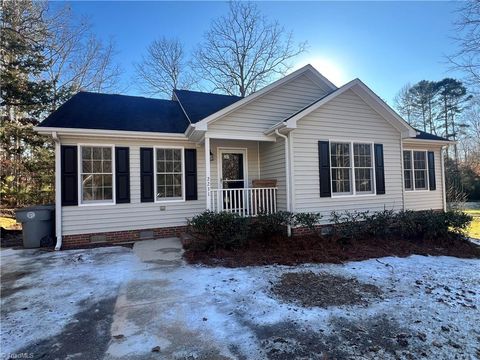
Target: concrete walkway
column 143, row 299
column 163, row 252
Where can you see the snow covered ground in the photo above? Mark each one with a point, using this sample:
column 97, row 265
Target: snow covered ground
column 106, row 303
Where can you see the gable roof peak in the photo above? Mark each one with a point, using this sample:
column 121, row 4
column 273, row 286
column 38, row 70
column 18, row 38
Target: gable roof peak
column 307, row 69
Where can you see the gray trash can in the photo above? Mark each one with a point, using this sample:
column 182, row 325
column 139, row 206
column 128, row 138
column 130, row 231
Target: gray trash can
column 37, row 224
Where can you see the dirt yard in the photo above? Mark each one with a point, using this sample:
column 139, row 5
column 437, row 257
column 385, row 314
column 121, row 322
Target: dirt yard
column 110, row 303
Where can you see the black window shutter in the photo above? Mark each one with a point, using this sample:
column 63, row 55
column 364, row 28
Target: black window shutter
column 431, row 170
column 324, row 168
column 122, row 175
column 191, row 191
column 379, row 169
column 69, row 176
column 146, row 175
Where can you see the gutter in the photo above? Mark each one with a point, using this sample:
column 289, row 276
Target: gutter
column 110, row 133
column 287, row 173
column 275, row 127
column 58, row 193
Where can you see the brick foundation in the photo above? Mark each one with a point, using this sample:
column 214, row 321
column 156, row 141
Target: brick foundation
column 80, row 240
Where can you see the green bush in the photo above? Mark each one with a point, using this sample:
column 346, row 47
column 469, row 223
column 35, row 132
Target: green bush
column 268, row 225
column 408, row 224
column 349, row 225
column 308, row 220
column 212, row 231
column 458, row 221
column 380, row 224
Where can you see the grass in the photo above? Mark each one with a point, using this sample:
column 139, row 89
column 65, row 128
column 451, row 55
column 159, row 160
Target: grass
column 474, row 229
column 9, row 223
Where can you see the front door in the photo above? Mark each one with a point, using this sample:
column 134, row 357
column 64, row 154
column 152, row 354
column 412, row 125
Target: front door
column 232, row 176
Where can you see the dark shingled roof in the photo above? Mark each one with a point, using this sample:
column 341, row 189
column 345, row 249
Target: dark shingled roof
column 422, row 135
column 199, row 105
column 87, row 110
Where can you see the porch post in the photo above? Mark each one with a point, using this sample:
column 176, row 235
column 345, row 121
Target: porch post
column 207, row 173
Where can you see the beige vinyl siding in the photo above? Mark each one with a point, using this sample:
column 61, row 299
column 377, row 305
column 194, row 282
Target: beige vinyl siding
column 272, row 166
column 253, row 166
column 261, row 114
column 135, row 215
column 346, row 118
column 426, row 199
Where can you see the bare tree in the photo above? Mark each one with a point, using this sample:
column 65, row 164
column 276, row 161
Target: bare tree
column 467, row 58
column 164, row 68
column 403, row 102
column 78, row 60
column 243, row 50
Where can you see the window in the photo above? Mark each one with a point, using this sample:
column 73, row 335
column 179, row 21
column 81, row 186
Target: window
column 407, row 170
column 343, row 181
column 420, row 169
column 96, row 174
column 169, row 174
column 341, row 168
column 362, row 156
column 415, row 170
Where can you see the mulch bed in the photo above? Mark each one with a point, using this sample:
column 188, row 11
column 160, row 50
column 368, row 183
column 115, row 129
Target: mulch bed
column 309, row 289
column 314, row 249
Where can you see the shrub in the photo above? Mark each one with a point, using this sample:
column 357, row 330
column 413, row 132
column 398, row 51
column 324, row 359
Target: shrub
column 267, row 225
column 349, row 225
column 431, row 225
column 458, row 221
column 223, row 230
column 380, row 224
column 308, row 220
column 408, row 224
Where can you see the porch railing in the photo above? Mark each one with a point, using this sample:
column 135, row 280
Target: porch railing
column 245, row 201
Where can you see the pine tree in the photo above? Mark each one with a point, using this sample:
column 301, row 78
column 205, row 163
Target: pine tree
column 24, row 95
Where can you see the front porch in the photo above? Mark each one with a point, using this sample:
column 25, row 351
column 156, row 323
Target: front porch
column 245, row 177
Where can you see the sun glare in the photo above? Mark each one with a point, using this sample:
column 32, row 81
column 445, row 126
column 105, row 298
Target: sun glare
column 328, row 68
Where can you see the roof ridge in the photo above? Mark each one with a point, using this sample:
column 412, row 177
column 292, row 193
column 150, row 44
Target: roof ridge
column 122, row 95
column 206, row 93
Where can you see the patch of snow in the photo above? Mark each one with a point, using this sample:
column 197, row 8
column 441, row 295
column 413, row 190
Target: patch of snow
column 201, row 311
column 46, row 289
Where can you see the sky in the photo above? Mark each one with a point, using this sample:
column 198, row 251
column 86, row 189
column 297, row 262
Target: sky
column 385, row 44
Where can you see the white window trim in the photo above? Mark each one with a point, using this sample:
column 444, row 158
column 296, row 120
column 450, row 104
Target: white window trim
column 411, row 170
column 80, row 189
column 427, row 182
column 155, row 174
column 352, row 168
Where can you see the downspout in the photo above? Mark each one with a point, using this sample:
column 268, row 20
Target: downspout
column 403, row 173
column 58, row 192
column 444, row 193
column 287, row 175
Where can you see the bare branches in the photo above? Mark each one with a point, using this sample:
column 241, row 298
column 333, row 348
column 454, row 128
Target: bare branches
column 243, row 50
column 164, row 68
column 467, row 58
column 78, row 60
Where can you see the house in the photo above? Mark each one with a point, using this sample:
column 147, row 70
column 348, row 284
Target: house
column 129, row 168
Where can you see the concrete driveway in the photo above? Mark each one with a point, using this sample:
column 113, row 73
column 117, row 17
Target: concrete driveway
column 145, row 303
